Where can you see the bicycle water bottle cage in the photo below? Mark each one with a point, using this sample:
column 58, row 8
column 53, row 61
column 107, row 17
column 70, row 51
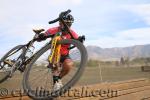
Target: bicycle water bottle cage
column 38, row 31
column 55, row 51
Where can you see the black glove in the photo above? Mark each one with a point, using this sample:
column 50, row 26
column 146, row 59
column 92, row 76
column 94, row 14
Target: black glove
column 41, row 37
column 81, row 38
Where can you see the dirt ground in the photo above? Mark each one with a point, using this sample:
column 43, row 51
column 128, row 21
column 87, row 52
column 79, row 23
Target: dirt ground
column 135, row 89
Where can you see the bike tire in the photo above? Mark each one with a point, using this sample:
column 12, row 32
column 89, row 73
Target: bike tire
column 75, row 78
column 6, row 55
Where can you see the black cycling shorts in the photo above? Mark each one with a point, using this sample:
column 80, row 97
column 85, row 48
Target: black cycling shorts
column 64, row 57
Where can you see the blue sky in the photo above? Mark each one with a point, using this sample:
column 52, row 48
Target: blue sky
column 105, row 23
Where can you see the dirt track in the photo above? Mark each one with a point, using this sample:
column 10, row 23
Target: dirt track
column 138, row 89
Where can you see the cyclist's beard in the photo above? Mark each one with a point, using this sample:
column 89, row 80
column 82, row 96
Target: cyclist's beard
column 63, row 29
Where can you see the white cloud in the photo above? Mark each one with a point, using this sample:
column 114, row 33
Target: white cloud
column 124, row 38
column 139, row 33
column 142, row 10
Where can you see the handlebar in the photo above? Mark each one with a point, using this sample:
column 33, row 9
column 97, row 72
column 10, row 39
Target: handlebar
column 60, row 16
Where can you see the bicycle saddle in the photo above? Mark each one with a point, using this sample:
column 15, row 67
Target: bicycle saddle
column 38, row 31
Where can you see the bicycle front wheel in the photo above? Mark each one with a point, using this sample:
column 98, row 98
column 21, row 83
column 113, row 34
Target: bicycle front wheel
column 37, row 80
column 8, row 60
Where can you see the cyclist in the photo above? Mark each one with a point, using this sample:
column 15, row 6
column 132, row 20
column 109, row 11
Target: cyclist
column 65, row 59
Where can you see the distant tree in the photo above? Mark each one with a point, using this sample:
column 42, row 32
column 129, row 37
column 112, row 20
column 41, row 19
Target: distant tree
column 122, row 61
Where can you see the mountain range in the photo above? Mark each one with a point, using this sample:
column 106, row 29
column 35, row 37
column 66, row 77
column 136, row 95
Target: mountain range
column 98, row 53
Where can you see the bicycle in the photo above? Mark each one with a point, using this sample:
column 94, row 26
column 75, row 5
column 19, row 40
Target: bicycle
column 37, row 64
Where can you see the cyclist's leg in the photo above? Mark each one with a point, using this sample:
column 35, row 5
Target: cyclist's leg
column 67, row 64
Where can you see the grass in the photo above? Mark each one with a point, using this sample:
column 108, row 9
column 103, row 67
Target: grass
column 92, row 75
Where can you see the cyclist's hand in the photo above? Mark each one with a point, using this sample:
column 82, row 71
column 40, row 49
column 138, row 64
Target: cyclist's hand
column 81, row 38
column 41, row 37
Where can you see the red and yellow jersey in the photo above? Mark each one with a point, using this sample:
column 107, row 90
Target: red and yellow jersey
column 64, row 48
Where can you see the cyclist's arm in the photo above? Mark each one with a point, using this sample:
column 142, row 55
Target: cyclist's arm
column 74, row 34
column 49, row 33
column 52, row 31
column 79, row 38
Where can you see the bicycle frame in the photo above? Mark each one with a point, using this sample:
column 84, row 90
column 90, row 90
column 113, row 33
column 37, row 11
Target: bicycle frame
column 23, row 61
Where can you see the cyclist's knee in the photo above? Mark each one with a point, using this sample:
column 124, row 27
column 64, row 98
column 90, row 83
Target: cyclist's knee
column 68, row 63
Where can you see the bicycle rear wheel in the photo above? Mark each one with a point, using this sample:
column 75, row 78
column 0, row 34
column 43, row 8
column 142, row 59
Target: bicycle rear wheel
column 37, row 80
column 8, row 60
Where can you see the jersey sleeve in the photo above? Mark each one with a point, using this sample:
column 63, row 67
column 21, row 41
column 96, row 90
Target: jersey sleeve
column 52, row 31
column 74, row 34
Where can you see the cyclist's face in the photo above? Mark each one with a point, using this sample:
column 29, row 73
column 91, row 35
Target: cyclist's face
column 62, row 26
